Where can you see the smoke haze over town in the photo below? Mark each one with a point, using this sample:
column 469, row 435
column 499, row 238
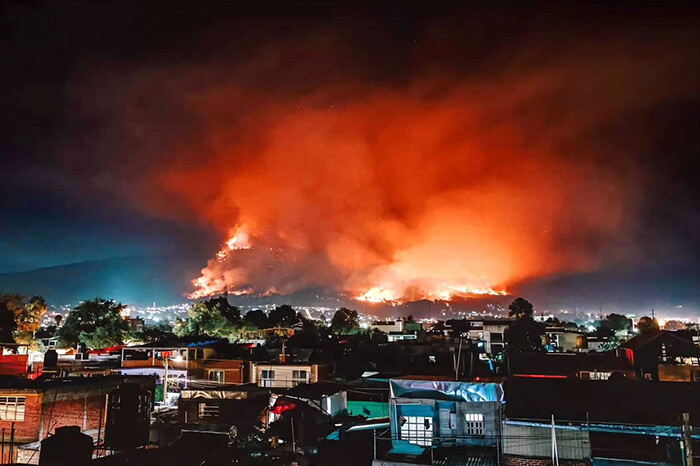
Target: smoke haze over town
column 441, row 154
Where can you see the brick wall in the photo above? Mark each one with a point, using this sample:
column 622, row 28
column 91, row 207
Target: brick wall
column 233, row 369
column 72, row 409
column 27, row 430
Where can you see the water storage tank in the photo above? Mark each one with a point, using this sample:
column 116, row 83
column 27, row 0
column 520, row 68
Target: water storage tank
column 67, row 447
column 128, row 417
column 50, row 367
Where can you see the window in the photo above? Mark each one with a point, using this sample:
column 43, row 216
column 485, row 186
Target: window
column 474, row 424
column 268, row 377
column 208, row 411
column 12, row 408
column 299, row 377
column 417, row 430
column 664, row 354
column 216, row 376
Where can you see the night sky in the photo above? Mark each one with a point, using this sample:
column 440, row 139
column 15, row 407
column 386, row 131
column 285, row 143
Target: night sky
column 548, row 151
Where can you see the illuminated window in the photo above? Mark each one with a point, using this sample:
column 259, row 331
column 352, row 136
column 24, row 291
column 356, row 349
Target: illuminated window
column 417, row 430
column 300, row 377
column 267, row 377
column 12, row 408
column 474, row 424
column 216, row 376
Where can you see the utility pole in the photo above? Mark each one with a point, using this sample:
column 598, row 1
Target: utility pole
column 686, row 443
column 165, row 381
column 555, row 450
column 459, row 356
column 294, row 442
column 374, row 445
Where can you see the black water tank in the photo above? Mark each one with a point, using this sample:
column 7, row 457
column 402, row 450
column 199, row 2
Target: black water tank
column 128, row 417
column 67, row 447
column 50, row 359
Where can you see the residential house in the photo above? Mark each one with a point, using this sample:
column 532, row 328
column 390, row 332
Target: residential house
column 286, row 375
column 14, row 359
column 33, row 409
column 560, row 340
column 488, row 332
column 625, row 420
column 430, row 413
column 585, row 366
column 216, row 410
column 330, row 398
column 218, row 371
column 665, row 356
column 388, row 326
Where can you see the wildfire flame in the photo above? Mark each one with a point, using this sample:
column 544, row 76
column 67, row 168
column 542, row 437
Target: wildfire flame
column 436, row 189
column 239, row 240
column 378, row 294
column 208, row 283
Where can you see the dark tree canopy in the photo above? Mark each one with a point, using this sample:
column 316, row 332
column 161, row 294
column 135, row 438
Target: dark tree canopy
column 524, row 335
column 344, row 319
column 256, row 318
column 97, row 323
column 154, row 334
column 283, row 316
column 647, row 325
column 521, row 309
column 616, row 322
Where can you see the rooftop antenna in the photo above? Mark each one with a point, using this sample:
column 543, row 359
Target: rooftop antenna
column 652, row 313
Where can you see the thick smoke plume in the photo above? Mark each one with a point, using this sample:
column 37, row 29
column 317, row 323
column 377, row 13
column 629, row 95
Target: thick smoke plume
column 444, row 180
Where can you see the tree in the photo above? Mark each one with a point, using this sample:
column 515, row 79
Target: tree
column 311, row 334
column 524, row 335
column 647, row 325
column 20, row 318
column 28, row 319
column 605, row 332
column 9, row 304
column 214, row 317
column 153, row 334
column 617, row 322
column 570, row 326
column 674, row 325
column 344, row 319
column 256, row 318
column 97, row 323
column 283, row 316
column 521, row 308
